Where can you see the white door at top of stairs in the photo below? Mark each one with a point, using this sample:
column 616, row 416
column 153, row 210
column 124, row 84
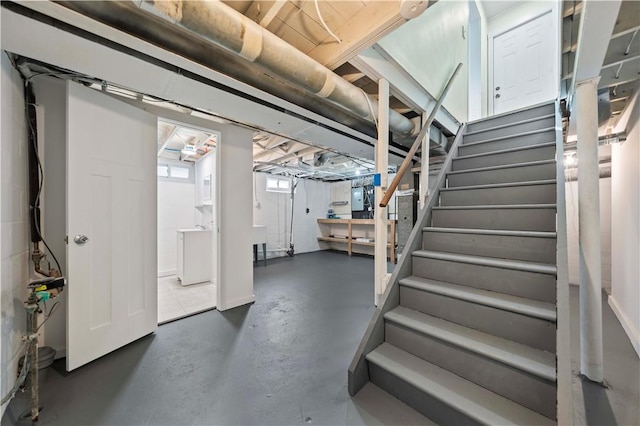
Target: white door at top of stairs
column 111, row 224
column 523, row 65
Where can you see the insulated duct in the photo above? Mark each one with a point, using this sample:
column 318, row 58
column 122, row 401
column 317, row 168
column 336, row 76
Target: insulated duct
column 223, row 27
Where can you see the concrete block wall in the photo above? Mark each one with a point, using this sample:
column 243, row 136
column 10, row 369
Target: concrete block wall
column 14, row 232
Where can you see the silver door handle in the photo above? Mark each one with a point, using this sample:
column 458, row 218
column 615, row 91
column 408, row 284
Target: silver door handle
column 498, row 95
column 80, row 239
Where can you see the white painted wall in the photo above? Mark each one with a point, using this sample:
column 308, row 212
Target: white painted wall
column 176, row 209
column 341, row 191
column 625, row 230
column 484, row 52
column 475, row 53
column 429, row 48
column 274, row 211
column 234, row 184
column 205, row 209
column 14, row 233
column 571, row 190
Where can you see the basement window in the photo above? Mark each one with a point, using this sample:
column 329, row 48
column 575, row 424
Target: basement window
column 173, row 172
column 179, row 172
column 278, row 185
column 163, row 170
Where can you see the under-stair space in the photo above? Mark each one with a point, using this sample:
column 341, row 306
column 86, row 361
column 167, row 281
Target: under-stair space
column 470, row 325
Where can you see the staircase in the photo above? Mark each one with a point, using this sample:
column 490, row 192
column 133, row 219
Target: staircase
column 467, row 333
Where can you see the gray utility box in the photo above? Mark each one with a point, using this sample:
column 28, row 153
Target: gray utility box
column 407, row 216
column 357, row 199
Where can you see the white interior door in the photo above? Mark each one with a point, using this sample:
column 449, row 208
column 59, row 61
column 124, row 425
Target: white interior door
column 111, row 200
column 524, row 64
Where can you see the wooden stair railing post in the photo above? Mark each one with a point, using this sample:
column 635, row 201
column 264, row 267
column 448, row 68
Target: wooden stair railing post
column 406, row 164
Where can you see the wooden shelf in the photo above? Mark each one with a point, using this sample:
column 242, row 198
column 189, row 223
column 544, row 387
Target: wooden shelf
column 351, row 241
column 333, row 240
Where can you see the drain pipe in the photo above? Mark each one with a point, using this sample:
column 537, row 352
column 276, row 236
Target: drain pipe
column 230, row 29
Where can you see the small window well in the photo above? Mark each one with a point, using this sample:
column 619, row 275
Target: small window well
column 179, row 172
column 163, row 170
column 171, row 171
column 278, row 185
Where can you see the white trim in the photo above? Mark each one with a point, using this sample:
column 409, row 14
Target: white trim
column 167, row 273
column 237, row 302
column 627, row 325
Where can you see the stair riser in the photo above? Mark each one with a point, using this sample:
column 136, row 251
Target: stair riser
column 519, row 386
column 530, row 285
column 514, row 142
column 531, row 249
column 425, row 404
column 523, row 329
column 508, row 175
column 530, row 194
column 512, row 118
column 529, row 126
column 513, row 157
column 541, row 219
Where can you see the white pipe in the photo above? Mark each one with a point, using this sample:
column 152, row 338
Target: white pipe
column 230, row 29
column 591, row 356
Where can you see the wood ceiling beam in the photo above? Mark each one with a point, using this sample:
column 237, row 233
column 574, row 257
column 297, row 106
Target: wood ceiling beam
column 264, row 12
column 272, row 12
column 169, row 136
column 362, row 30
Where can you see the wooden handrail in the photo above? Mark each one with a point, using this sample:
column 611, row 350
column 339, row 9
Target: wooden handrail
column 414, row 148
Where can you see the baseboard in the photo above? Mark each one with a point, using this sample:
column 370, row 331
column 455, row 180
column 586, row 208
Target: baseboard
column 167, row 273
column 627, row 325
column 236, row 302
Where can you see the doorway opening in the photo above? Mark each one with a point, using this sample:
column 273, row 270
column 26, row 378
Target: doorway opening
column 186, row 219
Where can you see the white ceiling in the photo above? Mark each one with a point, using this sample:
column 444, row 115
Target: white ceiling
column 493, row 8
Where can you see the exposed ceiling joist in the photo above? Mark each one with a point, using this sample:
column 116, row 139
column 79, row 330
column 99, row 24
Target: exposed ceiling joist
column 363, row 29
column 165, row 140
column 264, row 12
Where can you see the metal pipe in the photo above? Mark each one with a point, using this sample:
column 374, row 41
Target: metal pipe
column 32, row 330
column 342, row 102
column 230, row 29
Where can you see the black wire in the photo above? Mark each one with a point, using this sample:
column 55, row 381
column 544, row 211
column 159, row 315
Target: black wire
column 34, row 146
column 47, row 316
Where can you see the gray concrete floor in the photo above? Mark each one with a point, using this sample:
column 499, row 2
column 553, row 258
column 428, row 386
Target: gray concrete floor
column 619, row 402
column 282, row 360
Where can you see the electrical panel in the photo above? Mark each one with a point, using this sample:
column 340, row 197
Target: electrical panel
column 357, row 199
column 362, row 200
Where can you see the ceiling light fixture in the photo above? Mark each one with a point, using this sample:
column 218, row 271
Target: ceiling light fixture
column 189, row 150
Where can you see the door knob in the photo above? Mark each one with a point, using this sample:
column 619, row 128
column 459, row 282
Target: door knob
column 80, row 239
column 497, row 95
